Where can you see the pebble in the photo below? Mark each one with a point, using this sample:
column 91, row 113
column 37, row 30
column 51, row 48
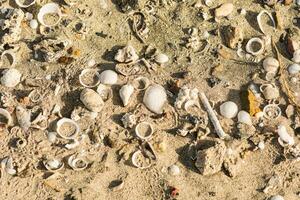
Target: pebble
column 174, row 170
column 161, row 58
column 34, row 24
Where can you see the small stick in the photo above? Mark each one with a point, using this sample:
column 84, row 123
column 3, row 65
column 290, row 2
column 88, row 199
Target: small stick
column 212, row 116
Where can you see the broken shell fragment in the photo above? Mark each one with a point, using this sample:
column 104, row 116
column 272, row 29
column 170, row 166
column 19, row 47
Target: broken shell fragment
column 270, row 64
column 10, row 77
column 140, row 161
column 224, row 10
column 10, row 56
column 126, row 55
column 125, row 93
column 255, row 46
column 5, row 117
column 141, row 83
column 128, row 120
column 161, row 58
column 144, row 130
column 109, row 77
column 284, row 138
column 270, row 91
column 272, row 111
column 296, row 56
column 229, row 109
column 49, row 10
column 244, row 117
column 25, row 4
column 92, row 100
column 105, row 92
column 259, row 20
column 51, row 136
column 89, row 78
column 53, row 165
column 294, row 68
column 77, row 163
column 155, row 97
column 67, row 128
column 23, row 117
column 7, row 164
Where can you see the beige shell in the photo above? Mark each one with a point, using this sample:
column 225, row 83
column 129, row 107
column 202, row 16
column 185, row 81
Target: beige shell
column 92, row 100
column 125, row 93
column 10, row 77
column 224, row 10
column 53, row 165
column 270, row 64
column 140, row 161
column 5, row 114
column 144, row 130
column 259, row 20
column 77, row 163
column 126, row 55
column 11, row 57
column 49, row 8
column 155, row 97
column 161, row 58
column 67, row 128
column 253, row 43
column 270, row 91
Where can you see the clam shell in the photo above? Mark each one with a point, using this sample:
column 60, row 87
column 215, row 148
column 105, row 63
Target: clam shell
column 284, row 137
column 136, row 160
column 161, row 58
column 229, row 109
column 105, row 92
column 49, row 8
column 11, row 57
column 296, row 56
column 64, row 132
column 294, row 68
column 4, row 113
column 53, row 165
column 155, row 97
column 95, row 77
column 26, row 4
column 34, row 24
column 77, row 163
column 10, row 77
column 224, row 10
column 259, row 20
column 270, row 64
column 109, row 77
column 92, row 100
column 144, row 130
column 125, row 93
column 255, row 42
column 141, row 83
column 244, row 117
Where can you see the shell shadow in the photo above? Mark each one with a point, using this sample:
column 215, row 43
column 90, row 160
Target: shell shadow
column 251, row 19
column 71, row 100
column 185, row 160
column 109, row 55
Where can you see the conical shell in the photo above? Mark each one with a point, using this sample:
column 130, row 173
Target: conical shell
column 125, row 93
column 92, row 100
column 155, row 97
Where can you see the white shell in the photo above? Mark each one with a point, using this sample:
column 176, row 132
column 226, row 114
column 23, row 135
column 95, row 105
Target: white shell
column 10, row 77
column 126, row 55
column 67, row 135
column 141, row 83
column 51, row 136
column 105, row 92
column 109, row 77
column 49, row 8
column 161, row 58
column 53, row 164
column 135, row 159
column 90, row 71
column 144, row 130
column 174, row 170
column 294, row 68
column 284, row 137
column 277, row 197
column 91, row 63
column 125, row 93
column 33, row 24
column 23, row 117
column 270, row 91
column 259, row 21
column 270, row 64
column 26, row 4
column 296, row 56
column 155, row 97
column 244, row 117
column 7, row 115
column 11, row 56
column 261, row 145
column 229, row 109
column 272, row 111
column 250, row 44
column 77, row 163
column 7, row 164
column 92, row 100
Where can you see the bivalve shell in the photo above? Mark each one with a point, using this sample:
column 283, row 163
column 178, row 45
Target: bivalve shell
column 284, row 138
column 109, row 77
column 89, row 78
column 294, row 68
column 155, row 97
column 255, row 46
column 25, row 4
column 125, row 93
column 244, row 117
column 67, row 128
column 140, row 161
column 53, row 165
column 141, row 83
column 10, row 56
column 105, row 92
column 92, row 100
column 77, row 163
column 224, row 10
column 229, row 109
column 174, row 170
column 161, row 58
column 144, row 130
column 270, row 64
column 259, row 21
column 10, row 77
column 5, row 117
column 49, row 9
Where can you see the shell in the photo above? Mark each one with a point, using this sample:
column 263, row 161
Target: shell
column 272, row 111
column 26, row 4
column 136, row 159
column 77, row 163
column 109, row 77
column 53, row 165
column 23, row 117
column 95, row 77
column 21, row 143
column 296, row 56
column 92, row 100
column 244, row 117
column 277, row 197
column 155, row 97
column 105, row 92
column 4, row 113
column 10, row 77
column 49, row 8
column 64, row 133
column 141, row 83
column 174, row 170
column 270, row 64
column 270, row 91
column 126, row 55
column 250, row 45
column 224, row 10
column 127, row 70
column 284, row 138
column 11, row 56
column 34, row 24
column 144, row 130
column 7, row 164
column 128, row 120
column 259, row 21
column 229, row 109
column 294, row 68
column 51, row 136
column 125, row 93
column 161, row 58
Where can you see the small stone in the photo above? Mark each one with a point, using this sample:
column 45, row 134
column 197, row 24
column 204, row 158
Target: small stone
column 174, row 170
column 91, row 63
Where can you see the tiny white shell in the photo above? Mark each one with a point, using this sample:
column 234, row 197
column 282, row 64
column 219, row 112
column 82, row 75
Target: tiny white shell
column 95, row 79
column 144, row 130
column 136, row 156
column 244, row 117
column 155, row 97
column 91, row 63
column 23, row 117
column 174, row 170
column 33, row 24
column 255, row 42
column 229, row 109
column 109, row 77
column 296, row 56
column 92, row 100
column 284, row 137
column 77, row 163
column 11, row 57
column 51, row 136
column 4, row 113
column 270, row 64
column 10, row 77
column 125, row 93
column 277, row 197
column 126, row 55
column 161, row 58
column 261, row 145
column 53, row 164
column 49, row 8
column 259, row 21
column 25, row 4
column 66, row 134
column 294, row 68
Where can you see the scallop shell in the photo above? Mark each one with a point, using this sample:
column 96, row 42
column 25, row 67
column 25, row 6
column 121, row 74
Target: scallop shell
column 11, row 57
column 254, row 42
column 10, row 77
column 92, row 100
column 296, row 56
column 67, row 134
column 270, row 64
column 125, row 93
column 137, row 157
column 77, row 163
column 53, row 165
column 161, row 58
column 259, row 21
column 174, row 170
column 284, row 138
column 105, row 92
column 109, row 77
column 23, row 117
column 294, row 68
column 49, row 8
column 4, row 113
column 244, row 117
column 141, row 83
column 144, row 130
column 229, row 109
column 95, row 74
column 155, row 97
column 25, row 4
